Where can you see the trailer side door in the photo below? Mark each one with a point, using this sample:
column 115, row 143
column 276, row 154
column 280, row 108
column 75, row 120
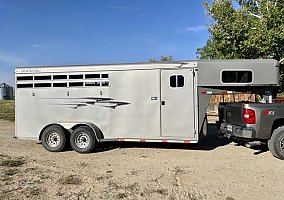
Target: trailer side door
column 177, row 103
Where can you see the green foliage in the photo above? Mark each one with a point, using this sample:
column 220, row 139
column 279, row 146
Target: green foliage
column 253, row 30
column 244, row 29
column 162, row 59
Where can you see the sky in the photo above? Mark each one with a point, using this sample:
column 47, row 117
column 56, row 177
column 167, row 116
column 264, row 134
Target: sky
column 61, row 32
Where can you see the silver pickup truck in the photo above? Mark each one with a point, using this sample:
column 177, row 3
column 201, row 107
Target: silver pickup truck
column 256, row 122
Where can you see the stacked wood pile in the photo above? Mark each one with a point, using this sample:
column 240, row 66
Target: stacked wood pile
column 216, row 99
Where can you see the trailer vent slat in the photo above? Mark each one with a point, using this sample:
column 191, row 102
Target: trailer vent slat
column 59, row 84
column 87, row 76
column 76, row 76
column 24, row 78
column 37, row 85
column 76, row 84
column 62, row 77
column 42, row 78
column 28, row 85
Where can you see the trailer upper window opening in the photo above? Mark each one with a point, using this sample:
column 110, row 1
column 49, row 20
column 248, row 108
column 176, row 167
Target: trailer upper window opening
column 56, row 77
column 42, row 77
column 76, row 76
column 176, row 81
column 28, row 85
column 59, row 84
column 42, row 85
column 24, row 78
column 92, row 76
column 104, row 75
column 76, row 84
column 237, row 76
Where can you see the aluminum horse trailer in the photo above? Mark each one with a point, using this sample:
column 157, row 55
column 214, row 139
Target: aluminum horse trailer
column 145, row 102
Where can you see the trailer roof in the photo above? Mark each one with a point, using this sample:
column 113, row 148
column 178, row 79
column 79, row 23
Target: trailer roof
column 134, row 66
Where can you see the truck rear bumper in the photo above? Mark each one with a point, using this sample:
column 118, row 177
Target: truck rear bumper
column 230, row 130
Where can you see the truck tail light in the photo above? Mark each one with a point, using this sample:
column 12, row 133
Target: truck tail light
column 249, row 116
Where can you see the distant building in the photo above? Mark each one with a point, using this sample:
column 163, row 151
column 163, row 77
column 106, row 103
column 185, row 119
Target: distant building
column 6, row 92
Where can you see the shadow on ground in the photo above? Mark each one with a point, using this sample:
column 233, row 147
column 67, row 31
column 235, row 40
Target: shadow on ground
column 212, row 141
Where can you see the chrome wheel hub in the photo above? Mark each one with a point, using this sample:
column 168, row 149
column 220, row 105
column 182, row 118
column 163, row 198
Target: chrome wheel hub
column 53, row 139
column 82, row 140
column 282, row 144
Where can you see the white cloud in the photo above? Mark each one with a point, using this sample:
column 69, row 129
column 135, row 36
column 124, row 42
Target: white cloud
column 37, row 46
column 195, row 29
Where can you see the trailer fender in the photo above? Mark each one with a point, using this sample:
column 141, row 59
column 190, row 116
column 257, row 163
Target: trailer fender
column 70, row 126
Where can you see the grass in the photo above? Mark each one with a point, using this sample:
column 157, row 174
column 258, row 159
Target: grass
column 70, row 180
column 13, row 162
column 11, row 172
column 7, row 110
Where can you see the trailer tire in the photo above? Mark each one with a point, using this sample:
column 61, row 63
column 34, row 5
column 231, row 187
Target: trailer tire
column 83, row 140
column 276, row 143
column 53, row 138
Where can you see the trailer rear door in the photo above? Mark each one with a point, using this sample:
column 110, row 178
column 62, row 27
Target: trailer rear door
column 177, row 103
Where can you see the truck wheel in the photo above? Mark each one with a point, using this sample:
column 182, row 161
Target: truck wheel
column 276, row 143
column 83, row 139
column 53, row 138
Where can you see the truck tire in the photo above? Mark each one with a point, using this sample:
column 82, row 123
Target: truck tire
column 82, row 139
column 53, row 138
column 276, row 143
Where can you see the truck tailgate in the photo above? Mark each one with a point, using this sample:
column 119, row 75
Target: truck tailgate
column 234, row 113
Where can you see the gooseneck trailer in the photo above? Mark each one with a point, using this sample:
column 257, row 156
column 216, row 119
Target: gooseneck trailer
column 83, row 105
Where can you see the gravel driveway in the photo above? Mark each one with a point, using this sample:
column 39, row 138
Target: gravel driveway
column 213, row 169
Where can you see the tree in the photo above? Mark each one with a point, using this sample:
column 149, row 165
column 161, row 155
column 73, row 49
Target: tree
column 162, row 59
column 244, row 29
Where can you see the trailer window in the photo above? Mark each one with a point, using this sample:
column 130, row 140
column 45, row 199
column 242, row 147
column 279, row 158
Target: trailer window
column 104, row 75
column 28, row 85
column 42, row 77
column 92, row 83
column 59, row 84
column 105, row 83
column 92, row 76
column 236, row 76
column 176, row 81
column 56, row 77
column 42, row 85
column 76, row 76
column 24, row 78
column 75, row 84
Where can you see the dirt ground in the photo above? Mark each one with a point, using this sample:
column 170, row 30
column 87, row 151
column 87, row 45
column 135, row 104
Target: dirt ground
column 213, row 169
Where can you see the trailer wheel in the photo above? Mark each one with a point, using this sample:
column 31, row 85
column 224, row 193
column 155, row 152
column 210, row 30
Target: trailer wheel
column 276, row 143
column 53, row 138
column 83, row 139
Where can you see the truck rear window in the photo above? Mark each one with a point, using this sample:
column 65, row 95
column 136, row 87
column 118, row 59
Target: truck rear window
column 237, row 76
